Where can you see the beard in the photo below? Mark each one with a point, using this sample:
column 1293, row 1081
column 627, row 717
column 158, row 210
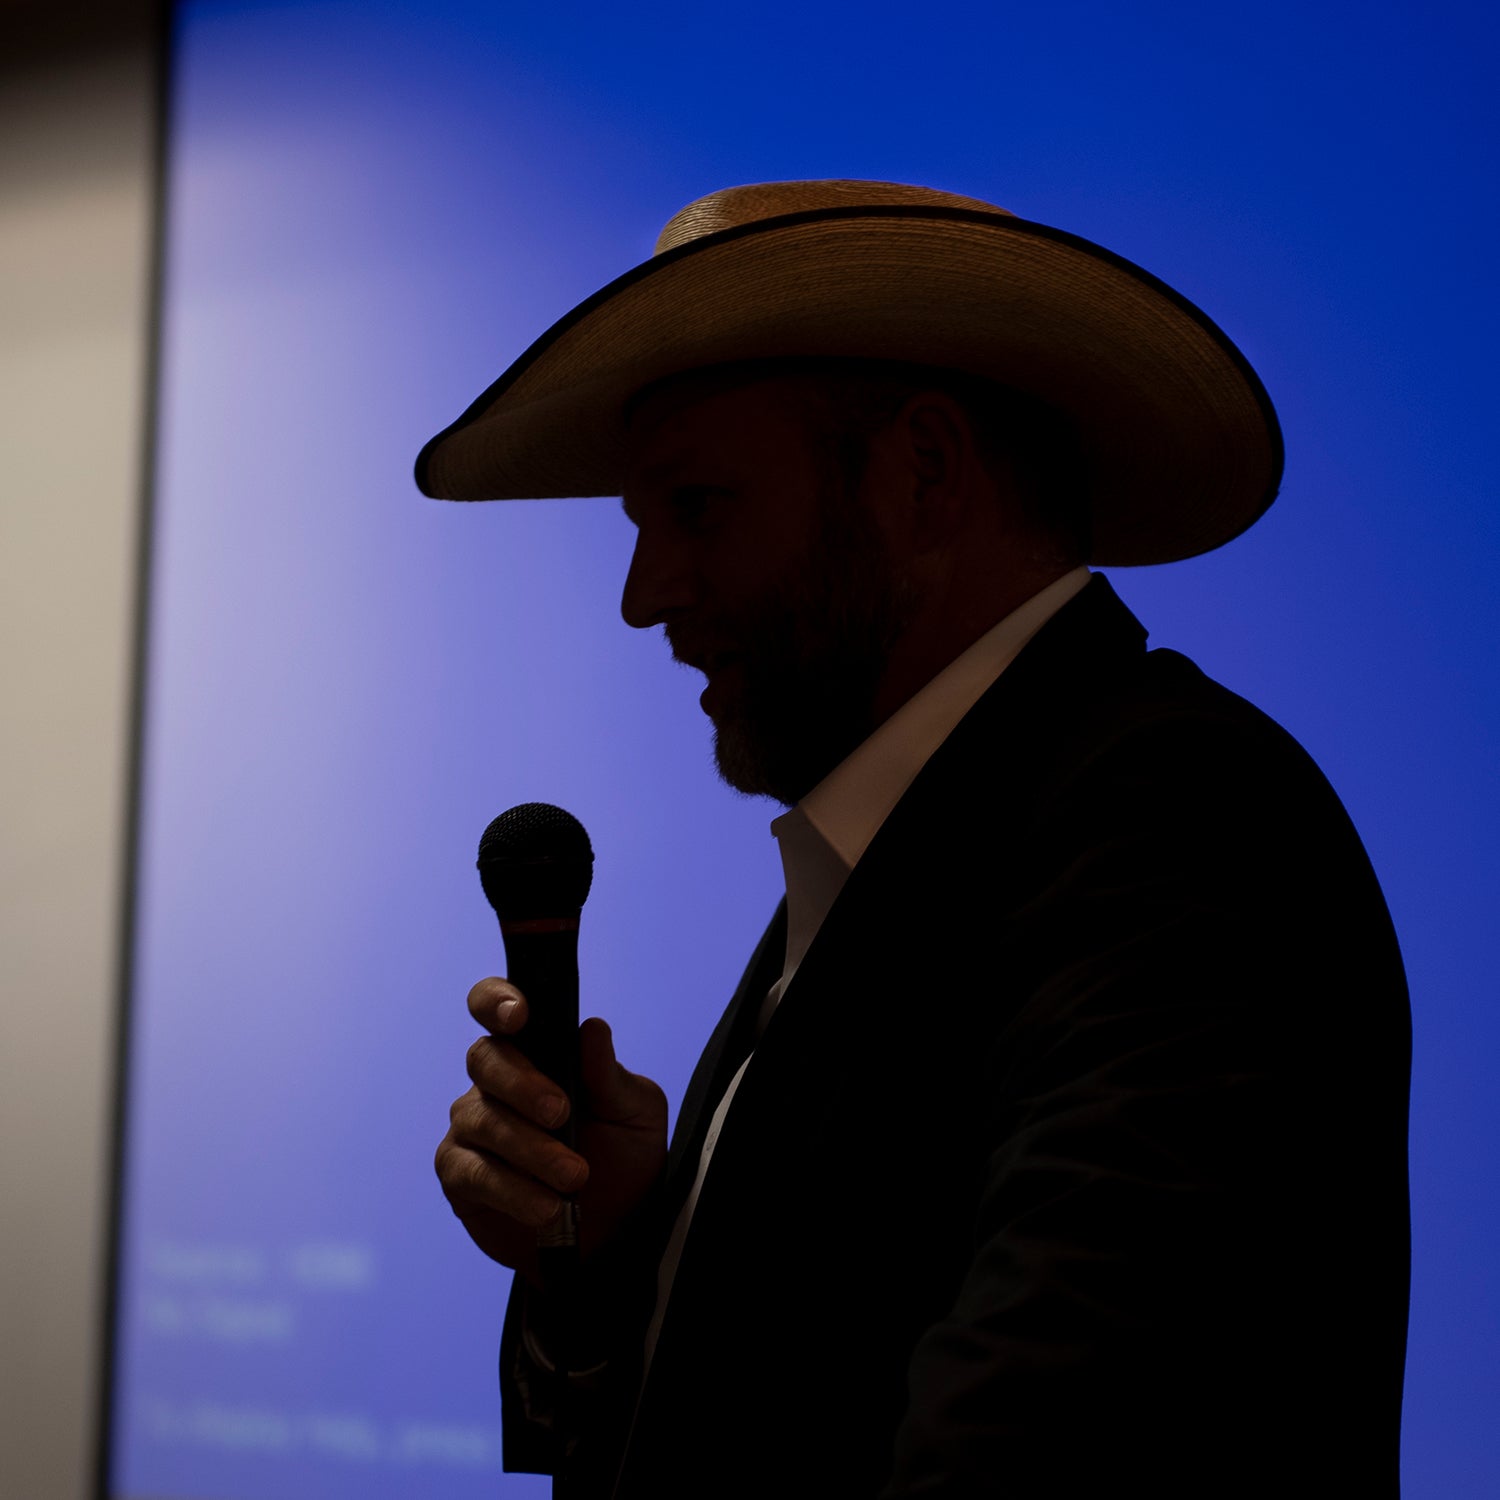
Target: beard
column 810, row 656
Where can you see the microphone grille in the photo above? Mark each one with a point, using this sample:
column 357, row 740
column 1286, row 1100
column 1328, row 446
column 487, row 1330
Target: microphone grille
column 535, row 860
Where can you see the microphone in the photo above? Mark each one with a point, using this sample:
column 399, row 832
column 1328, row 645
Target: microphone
column 536, row 866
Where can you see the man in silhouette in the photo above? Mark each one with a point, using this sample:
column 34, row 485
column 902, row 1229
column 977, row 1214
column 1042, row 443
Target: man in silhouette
column 1054, row 1142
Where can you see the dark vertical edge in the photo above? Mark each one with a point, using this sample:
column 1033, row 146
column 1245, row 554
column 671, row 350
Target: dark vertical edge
column 158, row 21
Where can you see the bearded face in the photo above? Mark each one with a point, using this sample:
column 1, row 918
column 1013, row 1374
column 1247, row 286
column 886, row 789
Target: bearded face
column 763, row 559
column 796, row 689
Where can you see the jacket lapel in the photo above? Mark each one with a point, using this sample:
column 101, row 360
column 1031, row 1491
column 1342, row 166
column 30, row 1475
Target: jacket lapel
column 726, row 1049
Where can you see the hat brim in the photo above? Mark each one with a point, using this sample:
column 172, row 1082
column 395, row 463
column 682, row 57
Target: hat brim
column 1183, row 444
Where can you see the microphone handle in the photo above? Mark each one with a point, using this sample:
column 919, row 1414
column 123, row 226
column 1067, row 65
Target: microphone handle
column 541, row 956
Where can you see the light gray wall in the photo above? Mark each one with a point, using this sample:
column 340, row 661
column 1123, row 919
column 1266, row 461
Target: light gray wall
column 77, row 107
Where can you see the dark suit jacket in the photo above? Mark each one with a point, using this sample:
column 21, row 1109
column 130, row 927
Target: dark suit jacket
column 1073, row 1160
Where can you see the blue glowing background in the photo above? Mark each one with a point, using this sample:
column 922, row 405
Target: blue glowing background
column 372, row 208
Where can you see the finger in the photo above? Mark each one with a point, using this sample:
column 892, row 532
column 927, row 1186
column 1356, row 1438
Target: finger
column 480, row 1123
column 472, row 1179
column 498, row 1006
column 614, row 1092
column 501, row 1070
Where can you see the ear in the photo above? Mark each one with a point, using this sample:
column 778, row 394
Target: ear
column 942, row 462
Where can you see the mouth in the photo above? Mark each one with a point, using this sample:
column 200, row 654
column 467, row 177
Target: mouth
column 718, row 665
column 721, row 669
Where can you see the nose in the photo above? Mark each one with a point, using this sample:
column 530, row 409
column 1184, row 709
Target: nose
column 658, row 586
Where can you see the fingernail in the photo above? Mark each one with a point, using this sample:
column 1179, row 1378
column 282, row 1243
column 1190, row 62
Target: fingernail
column 552, row 1109
column 506, row 1011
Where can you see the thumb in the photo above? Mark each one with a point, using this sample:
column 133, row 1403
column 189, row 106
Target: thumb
column 614, row 1093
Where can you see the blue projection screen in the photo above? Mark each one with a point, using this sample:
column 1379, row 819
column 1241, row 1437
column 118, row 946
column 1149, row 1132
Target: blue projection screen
column 370, row 210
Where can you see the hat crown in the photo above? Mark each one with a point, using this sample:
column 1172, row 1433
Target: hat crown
column 729, row 208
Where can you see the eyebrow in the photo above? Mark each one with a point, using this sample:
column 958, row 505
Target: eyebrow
column 664, row 472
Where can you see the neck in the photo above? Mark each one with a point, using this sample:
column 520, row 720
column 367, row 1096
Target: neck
column 950, row 620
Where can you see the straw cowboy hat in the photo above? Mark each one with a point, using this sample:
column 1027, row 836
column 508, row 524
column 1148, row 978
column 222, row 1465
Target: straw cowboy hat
column 1183, row 444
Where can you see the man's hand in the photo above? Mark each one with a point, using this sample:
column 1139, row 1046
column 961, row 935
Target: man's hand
column 501, row 1170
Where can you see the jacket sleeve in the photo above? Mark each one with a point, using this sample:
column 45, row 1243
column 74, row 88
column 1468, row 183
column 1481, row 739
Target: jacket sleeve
column 574, row 1422
column 534, row 1403
column 1188, row 1267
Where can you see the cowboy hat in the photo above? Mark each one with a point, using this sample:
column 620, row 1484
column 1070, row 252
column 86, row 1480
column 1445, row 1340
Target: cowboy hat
column 1181, row 441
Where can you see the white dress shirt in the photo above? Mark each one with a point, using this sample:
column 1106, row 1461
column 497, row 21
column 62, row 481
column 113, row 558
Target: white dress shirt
column 823, row 837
